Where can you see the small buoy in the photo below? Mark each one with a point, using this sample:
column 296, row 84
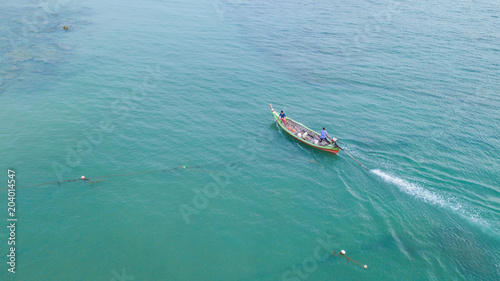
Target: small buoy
column 184, row 167
column 83, row 177
column 65, row 27
column 366, row 266
column 342, row 252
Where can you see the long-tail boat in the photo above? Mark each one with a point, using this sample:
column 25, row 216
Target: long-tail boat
column 304, row 134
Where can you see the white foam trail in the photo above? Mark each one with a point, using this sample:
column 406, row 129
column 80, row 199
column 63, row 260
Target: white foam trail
column 412, row 188
column 429, row 196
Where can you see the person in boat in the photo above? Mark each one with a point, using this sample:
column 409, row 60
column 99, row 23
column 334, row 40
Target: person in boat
column 324, row 136
column 283, row 117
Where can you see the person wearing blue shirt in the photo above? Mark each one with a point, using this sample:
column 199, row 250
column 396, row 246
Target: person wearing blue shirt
column 324, row 136
column 283, row 117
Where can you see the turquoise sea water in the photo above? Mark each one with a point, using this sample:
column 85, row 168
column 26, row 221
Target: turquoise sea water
column 410, row 88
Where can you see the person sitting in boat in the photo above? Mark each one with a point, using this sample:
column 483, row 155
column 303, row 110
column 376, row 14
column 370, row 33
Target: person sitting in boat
column 324, row 136
column 283, row 117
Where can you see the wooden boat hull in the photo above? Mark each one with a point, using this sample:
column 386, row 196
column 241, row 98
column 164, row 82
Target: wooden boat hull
column 296, row 130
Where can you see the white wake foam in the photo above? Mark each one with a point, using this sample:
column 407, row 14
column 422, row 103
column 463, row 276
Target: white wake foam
column 430, row 196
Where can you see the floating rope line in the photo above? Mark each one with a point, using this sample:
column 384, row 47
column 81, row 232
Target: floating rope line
column 215, row 172
column 102, row 178
column 92, row 182
column 342, row 253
